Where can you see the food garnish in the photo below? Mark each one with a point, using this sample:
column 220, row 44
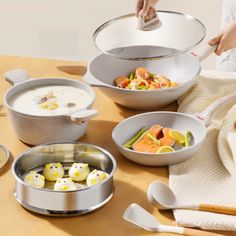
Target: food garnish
column 165, row 149
column 135, row 138
column 158, row 142
column 47, row 97
column 48, row 102
column 49, row 105
column 177, row 135
column 187, row 138
column 142, row 79
column 70, row 104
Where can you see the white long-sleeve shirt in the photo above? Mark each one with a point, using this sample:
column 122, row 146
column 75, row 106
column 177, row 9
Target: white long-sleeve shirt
column 227, row 61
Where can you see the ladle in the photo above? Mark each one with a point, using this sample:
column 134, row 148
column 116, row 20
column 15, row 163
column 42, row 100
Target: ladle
column 161, row 196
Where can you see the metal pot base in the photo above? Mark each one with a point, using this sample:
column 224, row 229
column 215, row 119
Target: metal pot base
column 61, row 213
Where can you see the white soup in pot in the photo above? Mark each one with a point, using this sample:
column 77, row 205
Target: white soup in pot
column 50, row 100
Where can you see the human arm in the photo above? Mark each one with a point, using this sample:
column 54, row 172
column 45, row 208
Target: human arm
column 226, row 39
column 145, row 7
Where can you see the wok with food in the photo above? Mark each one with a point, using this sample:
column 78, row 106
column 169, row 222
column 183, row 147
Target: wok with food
column 142, row 79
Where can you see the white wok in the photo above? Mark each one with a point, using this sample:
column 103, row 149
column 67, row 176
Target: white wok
column 183, row 68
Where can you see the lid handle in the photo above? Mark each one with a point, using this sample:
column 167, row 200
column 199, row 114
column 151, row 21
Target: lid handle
column 148, row 25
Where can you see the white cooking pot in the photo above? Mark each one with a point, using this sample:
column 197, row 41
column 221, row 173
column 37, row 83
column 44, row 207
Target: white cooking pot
column 34, row 129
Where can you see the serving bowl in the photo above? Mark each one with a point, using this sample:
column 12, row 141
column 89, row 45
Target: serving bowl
column 36, row 129
column 63, row 203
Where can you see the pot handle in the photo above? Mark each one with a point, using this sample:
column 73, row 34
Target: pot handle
column 81, row 116
column 89, row 78
column 205, row 52
column 16, row 76
column 206, row 114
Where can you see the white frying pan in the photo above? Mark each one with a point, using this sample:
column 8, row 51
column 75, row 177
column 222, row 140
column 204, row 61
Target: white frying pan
column 196, row 123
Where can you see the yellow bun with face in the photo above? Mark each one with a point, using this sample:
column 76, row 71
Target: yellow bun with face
column 96, row 177
column 53, row 171
column 34, row 179
column 79, row 171
column 64, row 184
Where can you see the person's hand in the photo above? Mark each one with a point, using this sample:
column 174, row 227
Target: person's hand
column 226, row 39
column 146, row 8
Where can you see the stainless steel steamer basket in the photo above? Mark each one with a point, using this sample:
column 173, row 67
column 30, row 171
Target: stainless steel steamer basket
column 68, row 203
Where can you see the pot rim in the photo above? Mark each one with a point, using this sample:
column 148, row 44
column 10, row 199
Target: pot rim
column 8, row 106
column 69, row 191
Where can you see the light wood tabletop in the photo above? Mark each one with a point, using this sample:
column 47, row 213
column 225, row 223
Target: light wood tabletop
column 131, row 180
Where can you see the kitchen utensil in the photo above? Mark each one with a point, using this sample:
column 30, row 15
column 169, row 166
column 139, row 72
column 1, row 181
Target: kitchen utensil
column 33, row 129
column 120, row 37
column 136, row 215
column 4, row 156
column 63, row 203
column 161, row 196
column 195, row 123
column 183, row 68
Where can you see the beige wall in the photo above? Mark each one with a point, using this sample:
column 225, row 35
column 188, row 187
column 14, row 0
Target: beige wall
column 63, row 28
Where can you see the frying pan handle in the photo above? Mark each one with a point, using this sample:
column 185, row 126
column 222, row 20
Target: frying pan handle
column 16, row 76
column 205, row 52
column 205, row 115
column 90, row 79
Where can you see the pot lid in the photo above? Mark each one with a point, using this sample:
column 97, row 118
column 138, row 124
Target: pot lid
column 176, row 33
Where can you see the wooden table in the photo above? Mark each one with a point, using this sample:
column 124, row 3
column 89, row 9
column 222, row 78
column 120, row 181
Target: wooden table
column 131, row 180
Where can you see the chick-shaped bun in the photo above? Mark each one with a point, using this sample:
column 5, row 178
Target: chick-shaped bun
column 34, row 179
column 96, row 177
column 53, row 171
column 64, row 184
column 79, row 171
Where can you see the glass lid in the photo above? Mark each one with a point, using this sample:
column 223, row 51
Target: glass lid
column 176, row 33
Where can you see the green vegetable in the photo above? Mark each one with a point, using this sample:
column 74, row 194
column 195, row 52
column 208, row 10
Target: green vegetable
column 131, row 76
column 154, row 139
column 151, row 75
column 142, row 87
column 135, row 138
column 187, row 139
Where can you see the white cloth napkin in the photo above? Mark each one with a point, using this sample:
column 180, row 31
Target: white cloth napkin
column 204, row 178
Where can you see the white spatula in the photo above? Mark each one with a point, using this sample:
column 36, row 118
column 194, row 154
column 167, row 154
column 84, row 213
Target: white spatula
column 136, row 215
